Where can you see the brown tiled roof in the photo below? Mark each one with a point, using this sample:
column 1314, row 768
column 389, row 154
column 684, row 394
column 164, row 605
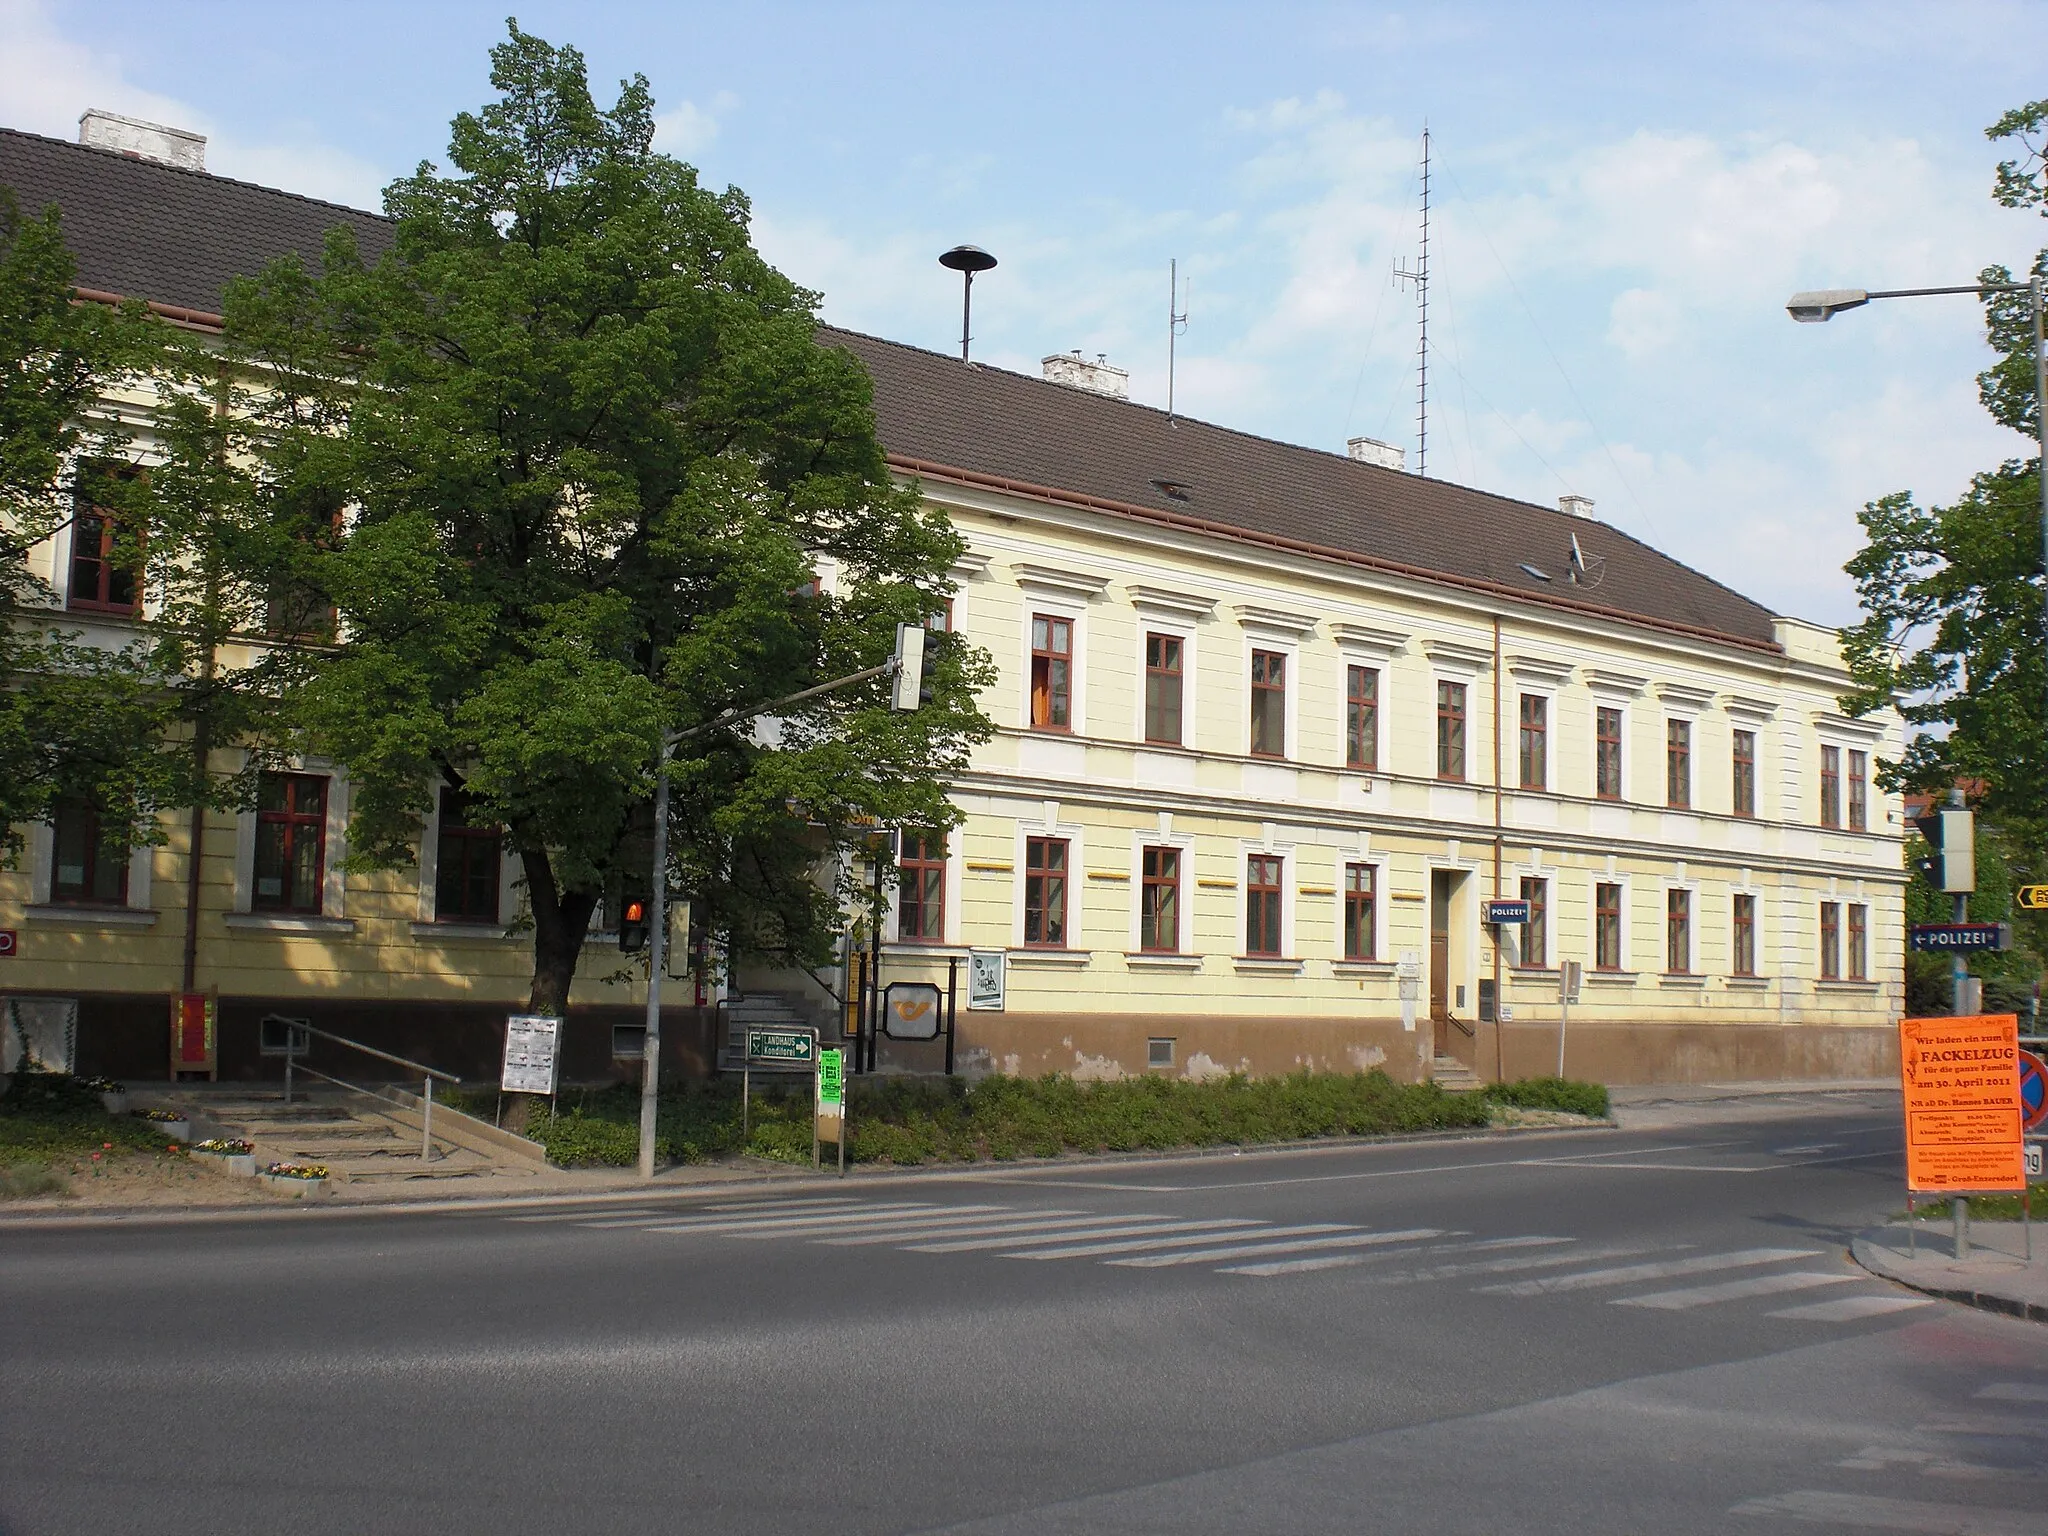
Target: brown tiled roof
column 175, row 237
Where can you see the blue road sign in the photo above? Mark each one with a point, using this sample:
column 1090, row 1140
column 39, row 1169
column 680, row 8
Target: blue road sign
column 1964, row 936
column 2033, row 1091
column 1507, row 912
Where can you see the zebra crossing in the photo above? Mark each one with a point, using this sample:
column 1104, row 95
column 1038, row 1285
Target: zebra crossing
column 1526, row 1266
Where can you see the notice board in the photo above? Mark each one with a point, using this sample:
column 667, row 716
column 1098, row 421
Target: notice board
column 1962, row 1092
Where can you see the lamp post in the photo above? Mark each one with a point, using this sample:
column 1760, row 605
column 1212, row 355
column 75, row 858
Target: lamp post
column 966, row 260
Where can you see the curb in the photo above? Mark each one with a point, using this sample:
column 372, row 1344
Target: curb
column 1983, row 1301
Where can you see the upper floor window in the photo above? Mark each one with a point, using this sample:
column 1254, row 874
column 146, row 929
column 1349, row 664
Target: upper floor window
column 1607, row 754
column 1607, row 927
column 1536, row 932
column 1163, row 688
column 1159, row 902
column 1678, row 763
column 1830, row 941
column 1262, row 905
column 1535, row 754
column 1361, row 717
column 1052, row 673
column 291, row 842
column 1045, row 892
column 1742, row 958
column 466, row 860
column 921, row 886
column 1859, row 791
column 1678, row 932
column 90, row 866
column 1450, row 730
column 1269, row 704
column 1831, row 786
column 1744, row 766
column 1360, row 919
column 103, row 562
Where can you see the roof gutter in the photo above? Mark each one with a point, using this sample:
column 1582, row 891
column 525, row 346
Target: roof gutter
column 928, row 470
column 198, row 319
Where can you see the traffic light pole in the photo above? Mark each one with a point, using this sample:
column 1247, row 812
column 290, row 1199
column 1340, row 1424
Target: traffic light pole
column 1959, row 969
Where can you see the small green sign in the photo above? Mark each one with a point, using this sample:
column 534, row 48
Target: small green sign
column 832, row 1076
column 796, row 1046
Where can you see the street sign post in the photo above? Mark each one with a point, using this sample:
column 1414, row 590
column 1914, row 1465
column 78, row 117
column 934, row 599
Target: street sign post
column 830, row 1121
column 1961, row 936
column 1569, row 974
column 789, row 1047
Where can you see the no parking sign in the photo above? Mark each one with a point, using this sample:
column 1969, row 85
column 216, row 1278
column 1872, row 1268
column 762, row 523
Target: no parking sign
column 2033, row 1091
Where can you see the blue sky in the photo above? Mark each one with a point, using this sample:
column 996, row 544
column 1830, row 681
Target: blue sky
column 1625, row 196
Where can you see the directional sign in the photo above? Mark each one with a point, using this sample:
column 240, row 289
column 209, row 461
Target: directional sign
column 2033, row 1091
column 783, row 1047
column 1963, row 936
column 1507, row 912
column 2031, row 898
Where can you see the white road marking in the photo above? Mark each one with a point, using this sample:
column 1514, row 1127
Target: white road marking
column 1734, row 1290
column 1704, row 1264
column 1536, row 1261
column 1050, row 1223
column 1357, row 1260
column 1849, row 1309
column 1381, row 1173
column 1096, row 1250
column 867, row 1215
column 1125, row 1229
column 778, row 1203
column 588, row 1215
column 1257, row 1249
column 952, row 1221
column 2015, row 1392
column 1865, row 1512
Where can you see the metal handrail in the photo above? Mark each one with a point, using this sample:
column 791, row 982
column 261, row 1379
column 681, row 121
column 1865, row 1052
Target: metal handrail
column 427, row 1076
column 371, row 1050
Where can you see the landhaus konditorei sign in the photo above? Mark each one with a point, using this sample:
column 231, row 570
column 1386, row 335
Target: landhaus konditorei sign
column 782, row 1047
column 532, row 1054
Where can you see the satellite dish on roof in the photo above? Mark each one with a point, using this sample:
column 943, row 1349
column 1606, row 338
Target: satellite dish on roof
column 966, row 260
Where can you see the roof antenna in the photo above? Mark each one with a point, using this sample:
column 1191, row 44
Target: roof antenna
column 1176, row 325
column 967, row 260
column 1419, row 276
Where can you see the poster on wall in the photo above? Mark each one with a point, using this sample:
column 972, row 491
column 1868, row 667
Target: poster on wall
column 41, row 1034
column 985, row 980
column 532, row 1054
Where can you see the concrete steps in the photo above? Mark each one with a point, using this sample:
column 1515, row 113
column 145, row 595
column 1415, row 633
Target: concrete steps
column 759, row 1010
column 1453, row 1076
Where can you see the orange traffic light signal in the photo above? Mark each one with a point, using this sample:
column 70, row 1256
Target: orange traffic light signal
column 633, row 926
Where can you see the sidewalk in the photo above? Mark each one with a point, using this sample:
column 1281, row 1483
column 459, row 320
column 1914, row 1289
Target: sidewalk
column 1672, row 1106
column 1995, row 1276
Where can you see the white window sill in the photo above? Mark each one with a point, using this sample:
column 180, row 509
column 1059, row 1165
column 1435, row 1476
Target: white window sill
column 1266, row 965
column 1148, row 960
column 1361, row 967
column 1682, row 980
column 926, row 949
column 1748, row 983
column 1068, row 958
column 459, row 933
column 62, row 916
column 1843, row 984
column 286, row 922
column 1608, row 978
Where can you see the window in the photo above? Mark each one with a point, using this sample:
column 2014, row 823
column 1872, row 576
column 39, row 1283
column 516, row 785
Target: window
column 1607, row 754
column 941, row 622
column 1535, row 933
column 1450, row 730
column 1535, row 740
column 1678, row 764
column 1361, row 718
column 1859, row 942
column 1859, row 791
column 1052, row 673
column 1045, row 891
column 1831, row 786
column 1743, row 958
column 297, row 607
column 1159, row 902
column 1745, row 773
column 1269, row 704
column 1678, row 932
column 291, row 842
column 1159, row 1051
column 1830, row 941
column 1606, row 927
column 466, row 864
column 102, row 571
column 1163, row 688
column 90, row 866
column 1359, row 918
column 1262, row 905
column 921, row 886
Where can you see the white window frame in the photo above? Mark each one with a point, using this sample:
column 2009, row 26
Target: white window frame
column 949, row 917
column 334, row 883
column 1048, row 824
column 1692, row 927
column 1152, row 622
column 1040, row 602
column 1378, row 864
column 1288, row 646
column 1162, row 836
column 42, row 870
column 1290, row 875
column 1595, row 879
column 429, row 868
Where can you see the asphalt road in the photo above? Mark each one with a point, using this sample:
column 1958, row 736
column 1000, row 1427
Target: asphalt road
column 1642, row 1331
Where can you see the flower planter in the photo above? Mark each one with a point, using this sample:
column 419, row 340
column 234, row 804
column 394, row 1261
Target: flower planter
column 115, row 1103
column 291, row 1184
column 242, row 1164
column 174, row 1129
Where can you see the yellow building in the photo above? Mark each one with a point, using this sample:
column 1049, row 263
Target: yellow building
column 1275, row 726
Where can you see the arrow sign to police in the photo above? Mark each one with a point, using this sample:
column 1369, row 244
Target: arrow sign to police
column 2031, row 898
column 1964, row 936
column 1507, row 912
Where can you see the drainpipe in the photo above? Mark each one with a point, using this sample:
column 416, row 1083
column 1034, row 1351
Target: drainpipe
column 202, row 752
column 1498, row 1050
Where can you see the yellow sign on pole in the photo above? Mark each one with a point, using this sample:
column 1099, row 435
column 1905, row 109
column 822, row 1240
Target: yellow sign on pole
column 2031, row 898
column 1962, row 1090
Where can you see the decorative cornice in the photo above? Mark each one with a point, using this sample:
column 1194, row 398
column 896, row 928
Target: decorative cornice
column 1833, row 724
column 1192, row 606
column 1541, row 669
column 1615, row 684
column 1742, row 707
column 1276, row 620
column 1383, row 644
column 1458, row 656
column 1685, row 696
column 1053, row 578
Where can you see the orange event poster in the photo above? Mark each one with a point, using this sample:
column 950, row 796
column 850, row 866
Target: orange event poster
column 1962, row 1082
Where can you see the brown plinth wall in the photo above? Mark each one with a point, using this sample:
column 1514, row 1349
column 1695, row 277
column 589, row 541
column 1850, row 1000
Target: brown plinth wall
column 128, row 1037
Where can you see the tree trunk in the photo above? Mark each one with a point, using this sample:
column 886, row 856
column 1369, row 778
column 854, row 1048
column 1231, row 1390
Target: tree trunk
column 561, row 921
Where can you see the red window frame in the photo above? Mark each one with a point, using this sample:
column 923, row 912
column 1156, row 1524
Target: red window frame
column 468, row 860
column 1830, row 941
column 1269, row 704
column 1052, row 672
column 1831, row 786
column 1678, row 933
column 1859, row 791
column 921, row 888
column 1607, row 753
column 1606, row 927
column 1263, row 873
column 103, row 866
column 1536, row 932
column 1743, row 767
column 1362, row 718
column 1859, row 942
column 1450, row 731
column 1678, row 764
column 1165, row 656
column 1535, row 741
column 1045, row 892
column 100, row 581
column 1361, row 903
column 1742, row 962
column 1159, row 902
column 283, row 828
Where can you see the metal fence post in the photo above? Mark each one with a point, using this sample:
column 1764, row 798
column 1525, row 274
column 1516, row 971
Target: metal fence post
column 427, row 1121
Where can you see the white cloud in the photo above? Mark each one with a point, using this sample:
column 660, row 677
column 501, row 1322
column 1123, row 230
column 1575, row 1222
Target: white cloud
column 688, row 129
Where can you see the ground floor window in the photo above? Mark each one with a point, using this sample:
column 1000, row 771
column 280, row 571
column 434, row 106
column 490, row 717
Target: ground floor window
column 291, row 842
column 1678, row 932
column 90, row 866
column 466, row 858
column 1262, row 905
column 1045, row 891
column 1830, row 941
column 1607, row 927
column 1535, row 932
column 1159, row 902
column 921, row 887
column 1360, row 901
column 1859, row 942
column 1742, row 961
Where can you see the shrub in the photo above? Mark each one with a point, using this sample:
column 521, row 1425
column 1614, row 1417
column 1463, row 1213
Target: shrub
column 1561, row 1093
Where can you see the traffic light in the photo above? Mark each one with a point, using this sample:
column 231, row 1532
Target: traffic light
column 1951, row 837
column 908, row 691
column 633, row 926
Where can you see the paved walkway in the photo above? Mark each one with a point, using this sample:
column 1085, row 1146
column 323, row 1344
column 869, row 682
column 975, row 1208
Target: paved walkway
column 1995, row 1276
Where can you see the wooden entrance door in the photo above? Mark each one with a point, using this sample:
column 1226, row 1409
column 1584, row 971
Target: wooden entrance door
column 1440, row 959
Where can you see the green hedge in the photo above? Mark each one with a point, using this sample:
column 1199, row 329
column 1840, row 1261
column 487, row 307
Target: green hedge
column 1552, row 1093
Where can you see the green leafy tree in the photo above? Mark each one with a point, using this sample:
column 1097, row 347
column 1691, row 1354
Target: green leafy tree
column 593, row 463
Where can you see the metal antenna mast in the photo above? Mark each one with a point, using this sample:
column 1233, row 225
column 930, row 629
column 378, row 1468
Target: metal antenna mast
column 1419, row 276
column 1176, row 323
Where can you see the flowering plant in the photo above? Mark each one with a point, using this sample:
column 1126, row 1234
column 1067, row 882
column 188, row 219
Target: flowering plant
column 158, row 1116
column 102, row 1085
column 227, row 1146
column 298, row 1170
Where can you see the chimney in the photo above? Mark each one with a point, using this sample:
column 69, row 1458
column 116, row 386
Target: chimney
column 1576, row 506
column 1100, row 376
column 1370, row 450
column 143, row 141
